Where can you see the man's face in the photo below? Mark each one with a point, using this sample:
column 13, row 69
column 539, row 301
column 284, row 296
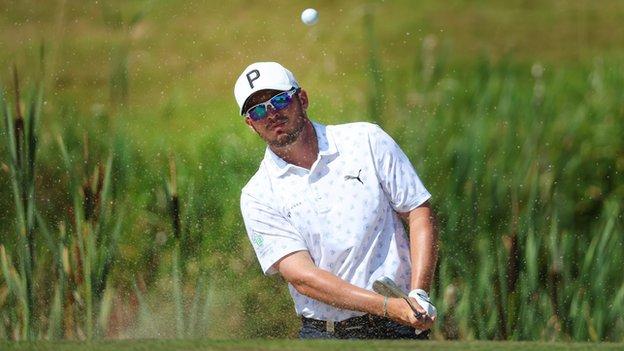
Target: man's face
column 279, row 128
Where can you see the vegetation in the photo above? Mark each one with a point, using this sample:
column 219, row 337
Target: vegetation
column 121, row 168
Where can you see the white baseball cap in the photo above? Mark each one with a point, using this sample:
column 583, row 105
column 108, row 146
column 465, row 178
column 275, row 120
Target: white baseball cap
column 260, row 76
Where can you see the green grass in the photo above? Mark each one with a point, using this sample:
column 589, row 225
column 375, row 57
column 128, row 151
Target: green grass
column 299, row 345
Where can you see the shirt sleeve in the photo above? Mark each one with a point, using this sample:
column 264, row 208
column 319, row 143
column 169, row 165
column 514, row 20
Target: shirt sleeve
column 271, row 235
column 395, row 172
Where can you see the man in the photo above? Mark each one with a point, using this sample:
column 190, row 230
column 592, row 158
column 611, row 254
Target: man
column 324, row 210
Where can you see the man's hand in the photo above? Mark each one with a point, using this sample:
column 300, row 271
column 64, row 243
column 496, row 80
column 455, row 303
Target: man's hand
column 424, row 301
column 400, row 311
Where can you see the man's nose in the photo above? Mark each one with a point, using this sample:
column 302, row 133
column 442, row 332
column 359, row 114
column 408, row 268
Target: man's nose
column 271, row 112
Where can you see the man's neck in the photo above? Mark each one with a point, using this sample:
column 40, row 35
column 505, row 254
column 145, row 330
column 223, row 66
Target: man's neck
column 303, row 152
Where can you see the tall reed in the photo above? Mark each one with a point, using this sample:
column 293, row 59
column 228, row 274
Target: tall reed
column 21, row 139
column 93, row 237
column 192, row 309
column 187, row 281
column 376, row 96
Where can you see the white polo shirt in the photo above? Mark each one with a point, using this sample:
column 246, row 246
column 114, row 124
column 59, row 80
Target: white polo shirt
column 342, row 211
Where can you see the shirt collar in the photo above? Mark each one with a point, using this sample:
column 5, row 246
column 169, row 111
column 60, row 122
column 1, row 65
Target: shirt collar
column 278, row 167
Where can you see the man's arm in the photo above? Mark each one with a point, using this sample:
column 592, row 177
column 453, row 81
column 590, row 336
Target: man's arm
column 423, row 245
column 300, row 271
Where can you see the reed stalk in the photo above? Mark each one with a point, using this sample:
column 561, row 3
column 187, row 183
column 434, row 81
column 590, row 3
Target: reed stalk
column 21, row 138
column 376, row 93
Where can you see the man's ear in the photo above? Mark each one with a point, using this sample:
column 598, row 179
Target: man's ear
column 303, row 98
column 248, row 122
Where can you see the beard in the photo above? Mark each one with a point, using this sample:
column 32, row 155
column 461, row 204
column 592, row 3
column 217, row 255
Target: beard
column 290, row 137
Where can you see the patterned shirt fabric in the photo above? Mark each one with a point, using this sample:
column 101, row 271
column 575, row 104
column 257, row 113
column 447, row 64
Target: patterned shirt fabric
column 343, row 211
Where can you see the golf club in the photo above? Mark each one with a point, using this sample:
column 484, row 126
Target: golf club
column 387, row 287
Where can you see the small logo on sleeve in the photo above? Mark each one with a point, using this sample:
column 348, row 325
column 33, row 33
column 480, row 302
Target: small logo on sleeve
column 257, row 240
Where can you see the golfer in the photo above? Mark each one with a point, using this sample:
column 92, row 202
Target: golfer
column 326, row 210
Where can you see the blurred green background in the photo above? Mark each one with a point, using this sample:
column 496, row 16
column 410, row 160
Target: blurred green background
column 128, row 225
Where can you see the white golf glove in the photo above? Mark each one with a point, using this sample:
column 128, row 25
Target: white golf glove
column 422, row 298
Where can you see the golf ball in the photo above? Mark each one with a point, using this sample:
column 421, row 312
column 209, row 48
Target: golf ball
column 309, row 16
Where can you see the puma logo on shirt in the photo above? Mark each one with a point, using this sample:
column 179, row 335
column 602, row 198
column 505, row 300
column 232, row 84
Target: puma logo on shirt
column 347, row 177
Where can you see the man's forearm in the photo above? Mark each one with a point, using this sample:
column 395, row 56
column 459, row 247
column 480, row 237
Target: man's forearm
column 330, row 289
column 326, row 287
column 299, row 270
column 423, row 247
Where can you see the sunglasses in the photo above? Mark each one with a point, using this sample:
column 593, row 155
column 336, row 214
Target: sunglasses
column 277, row 102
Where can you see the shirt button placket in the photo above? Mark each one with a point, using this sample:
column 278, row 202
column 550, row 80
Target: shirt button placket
column 320, row 202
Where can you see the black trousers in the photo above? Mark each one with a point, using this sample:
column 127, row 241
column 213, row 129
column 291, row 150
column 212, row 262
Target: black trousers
column 362, row 327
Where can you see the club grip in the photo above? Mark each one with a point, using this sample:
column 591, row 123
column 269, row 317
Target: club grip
column 411, row 304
